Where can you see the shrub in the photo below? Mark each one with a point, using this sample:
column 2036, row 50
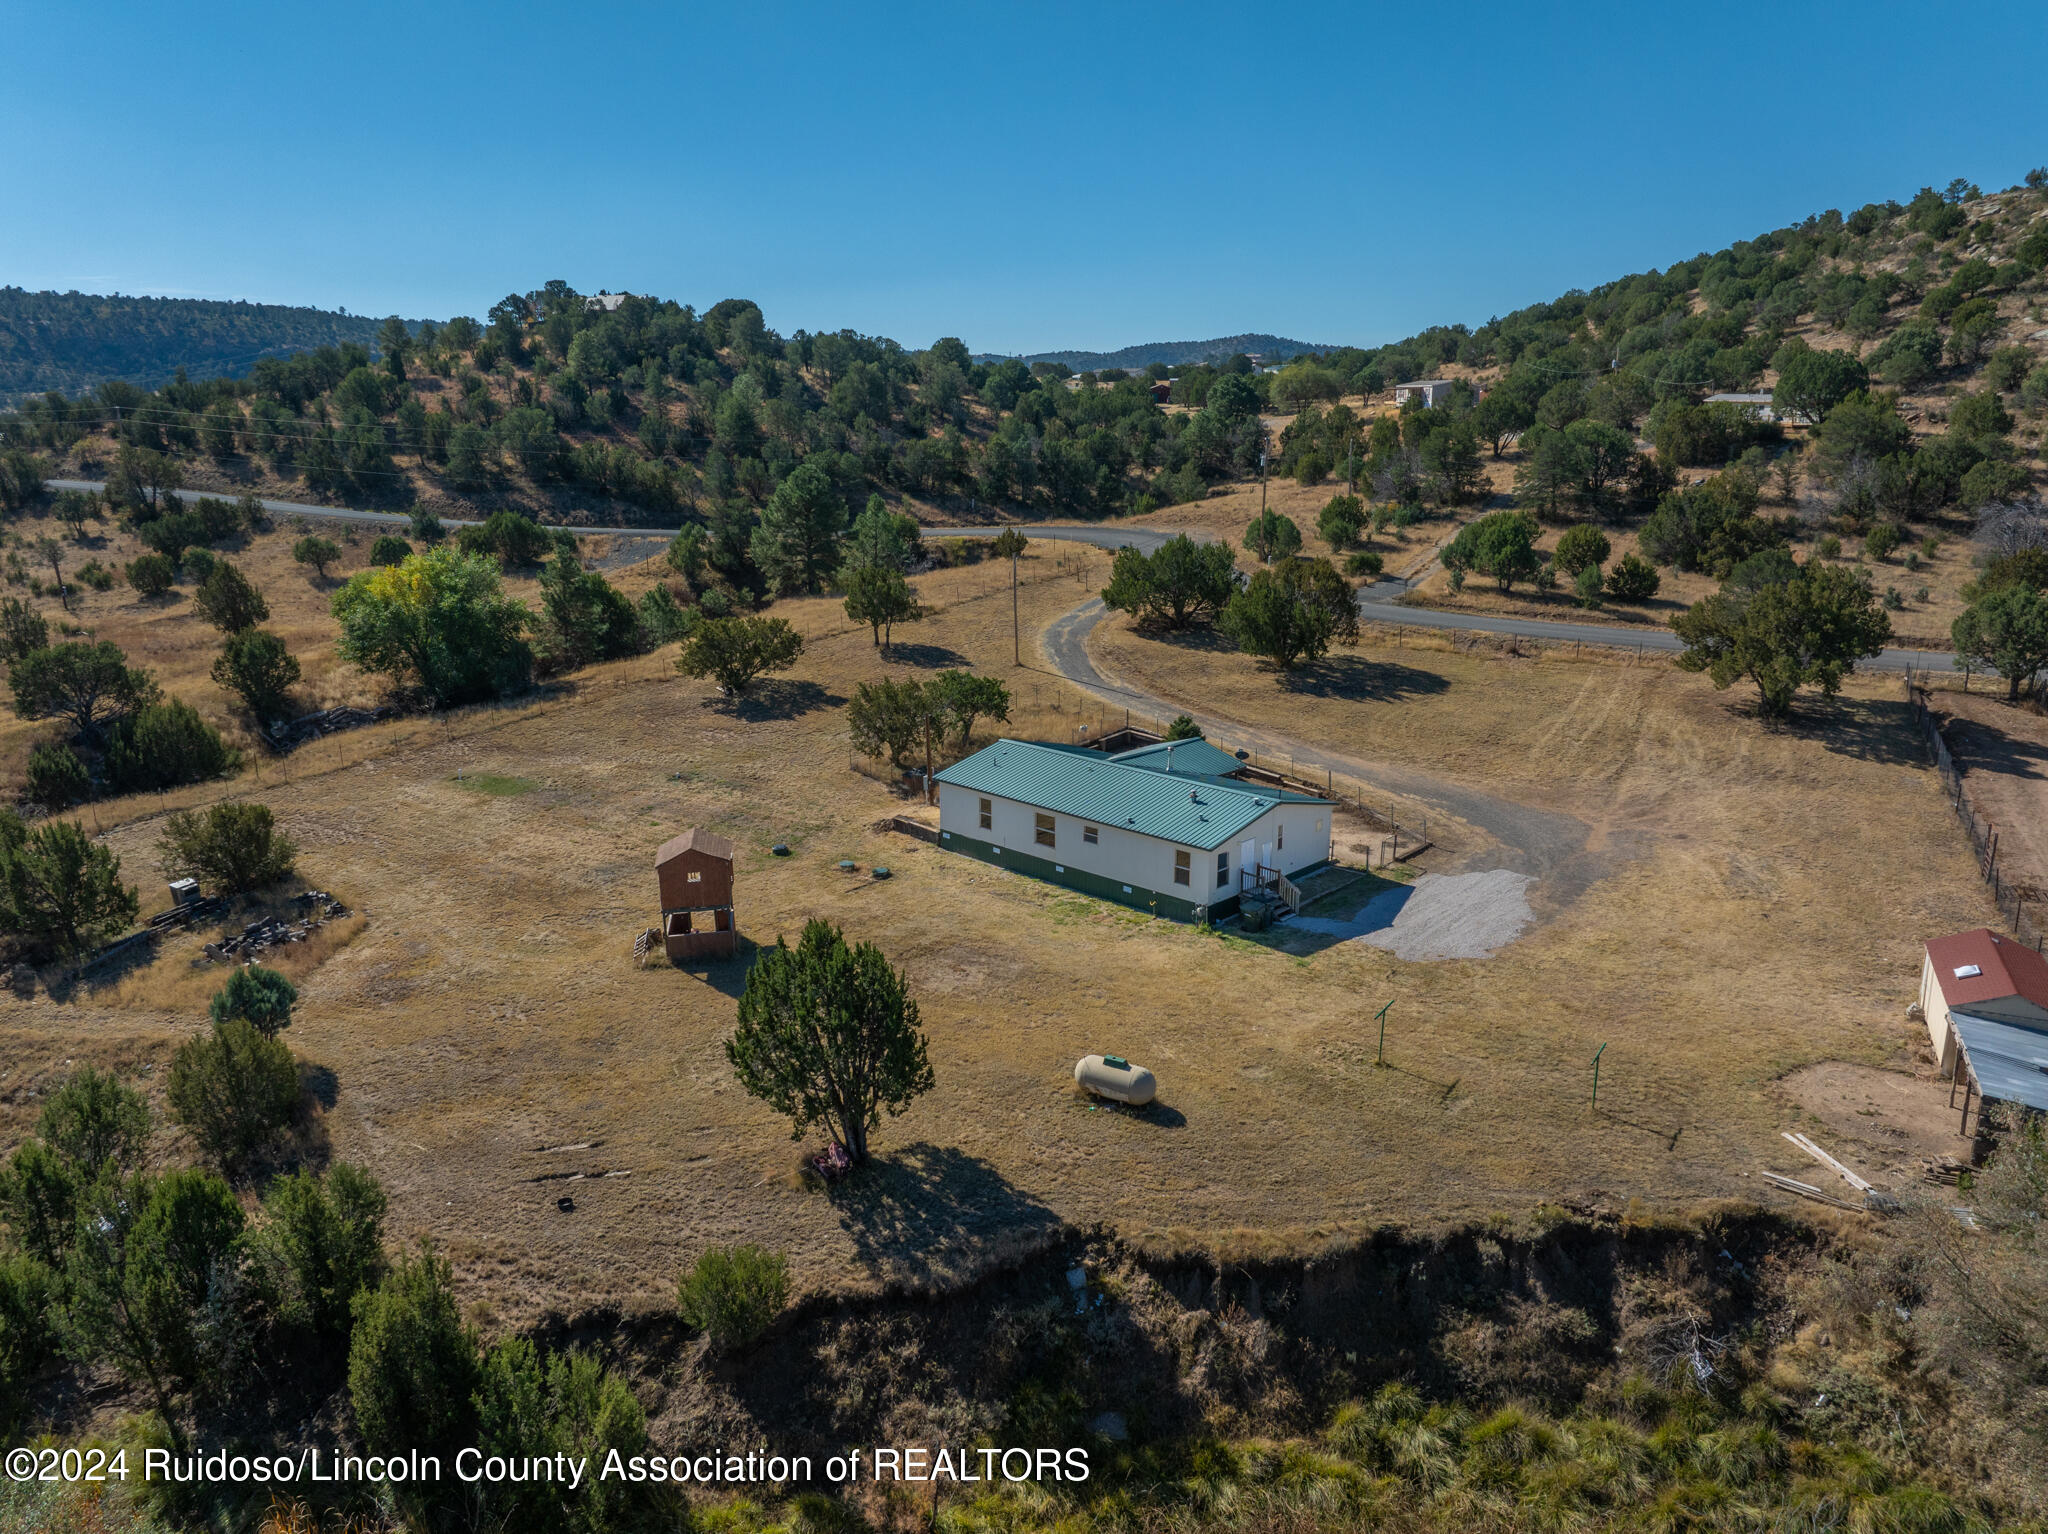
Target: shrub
column 440, row 622
column 1341, row 521
column 513, row 538
column 427, row 527
column 60, row 891
column 57, row 778
column 1633, row 579
column 233, row 1090
column 1587, row 587
column 23, row 630
column 389, row 549
column 229, row 600
column 255, row 665
column 229, row 848
column 317, row 552
column 151, row 574
column 164, row 745
column 1364, row 563
column 1580, row 546
column 663, row 618
column 734, row 1293
column 1882, row 538
column 412, row 1365
column 736, row 651
column 198, row 564
column 96, row 575
column 1183, row 728
column 1828, row 547
column 260, row 997
column 320, row 1244
column 28, row 1291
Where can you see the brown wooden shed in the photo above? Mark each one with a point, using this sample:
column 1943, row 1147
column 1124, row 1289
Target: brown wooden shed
column 694, row 871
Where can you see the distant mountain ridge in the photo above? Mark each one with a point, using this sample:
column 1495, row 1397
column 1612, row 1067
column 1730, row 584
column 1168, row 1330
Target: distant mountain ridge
column 72, row 341
column 1175, row 353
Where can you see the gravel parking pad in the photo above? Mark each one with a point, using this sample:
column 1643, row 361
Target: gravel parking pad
column 1439, row 916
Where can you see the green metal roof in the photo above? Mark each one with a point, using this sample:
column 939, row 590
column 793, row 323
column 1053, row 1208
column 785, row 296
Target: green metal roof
column 1205, row 813
column 1181, row 756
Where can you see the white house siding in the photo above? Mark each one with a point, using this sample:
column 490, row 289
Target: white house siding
column 1128, row 857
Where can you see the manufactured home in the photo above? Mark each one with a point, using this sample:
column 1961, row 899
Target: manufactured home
column 1134, row 828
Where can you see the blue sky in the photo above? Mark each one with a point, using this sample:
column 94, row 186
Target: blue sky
column 1026, row 177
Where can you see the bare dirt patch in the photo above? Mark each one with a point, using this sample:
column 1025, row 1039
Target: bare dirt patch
column 1883, row 1123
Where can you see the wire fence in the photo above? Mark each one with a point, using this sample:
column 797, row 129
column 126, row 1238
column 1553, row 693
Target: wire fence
column 2020, row 904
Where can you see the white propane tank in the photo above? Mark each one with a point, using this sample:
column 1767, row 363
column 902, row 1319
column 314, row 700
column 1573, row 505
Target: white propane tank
column 1114, row 1077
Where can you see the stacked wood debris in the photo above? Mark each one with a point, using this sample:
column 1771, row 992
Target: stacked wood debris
column 286, row 734
column 184, row 915
column 272, row 931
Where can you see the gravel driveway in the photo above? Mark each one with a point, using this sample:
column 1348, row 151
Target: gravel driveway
column 1439, row 916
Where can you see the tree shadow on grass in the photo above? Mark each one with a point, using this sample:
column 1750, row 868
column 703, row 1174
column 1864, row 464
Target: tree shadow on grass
column 1979, row 745
column 928, row 655
column 928, row 1212
column 1361, row 680
column 1869, row 729
column 780, row 698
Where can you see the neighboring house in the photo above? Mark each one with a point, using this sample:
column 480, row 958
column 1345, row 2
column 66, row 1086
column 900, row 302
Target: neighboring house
column 607, row 302
column 1183, row 844
column 1434, row 392
column 1758, row 405
column 1985, row 998
column 1162, row 390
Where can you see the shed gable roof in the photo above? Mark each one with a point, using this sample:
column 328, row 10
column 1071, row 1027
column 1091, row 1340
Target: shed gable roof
column 1205, row 812
column 2003, row 968
column 698, row 840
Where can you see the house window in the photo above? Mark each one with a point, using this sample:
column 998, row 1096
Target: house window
column 1279, row 837
column 988, row 815
column 1222, row 869
column 1182, row 868
column 696, row 878
column 1090, row 835
column 1043, row 834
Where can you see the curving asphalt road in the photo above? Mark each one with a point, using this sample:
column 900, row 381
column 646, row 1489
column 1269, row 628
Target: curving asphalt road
column 1376, row 603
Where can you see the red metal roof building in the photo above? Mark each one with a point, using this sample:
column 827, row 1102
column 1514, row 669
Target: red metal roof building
column 1980, row 974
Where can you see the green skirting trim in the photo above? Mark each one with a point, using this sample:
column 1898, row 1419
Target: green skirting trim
column 1173, row 907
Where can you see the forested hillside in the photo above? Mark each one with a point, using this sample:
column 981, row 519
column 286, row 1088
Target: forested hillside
column 1874, row 328
column 1177, row 353
column 75, row 341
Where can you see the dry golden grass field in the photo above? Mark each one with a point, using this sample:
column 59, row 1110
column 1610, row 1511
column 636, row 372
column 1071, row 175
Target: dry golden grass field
column 1738, row 904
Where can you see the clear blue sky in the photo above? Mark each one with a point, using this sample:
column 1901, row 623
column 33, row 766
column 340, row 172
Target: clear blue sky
column 1024, row 176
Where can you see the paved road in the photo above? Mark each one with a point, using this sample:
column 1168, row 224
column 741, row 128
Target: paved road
column 1379, row 605
column 1146, row 538
column 1375, row 604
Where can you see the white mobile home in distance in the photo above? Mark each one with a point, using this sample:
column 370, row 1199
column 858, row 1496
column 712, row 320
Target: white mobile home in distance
column 1129, row 828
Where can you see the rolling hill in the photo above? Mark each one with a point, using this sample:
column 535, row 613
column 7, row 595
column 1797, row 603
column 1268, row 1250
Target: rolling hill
column 1175, row 353
column 73, row 341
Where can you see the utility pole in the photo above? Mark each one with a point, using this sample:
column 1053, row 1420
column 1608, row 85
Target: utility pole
column 1596, row 1074
column 1016, row 640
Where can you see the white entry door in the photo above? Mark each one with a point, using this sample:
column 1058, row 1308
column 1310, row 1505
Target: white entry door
column 1248, row 866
